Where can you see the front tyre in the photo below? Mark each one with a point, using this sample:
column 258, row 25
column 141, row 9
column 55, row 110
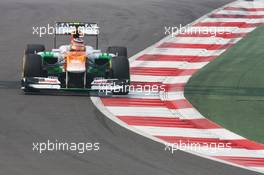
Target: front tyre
column 32, row 65
column 120, row 71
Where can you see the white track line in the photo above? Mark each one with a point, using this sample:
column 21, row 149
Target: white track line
column 231, row 12
column 249, row 21
column 169, row 96
column 165, row 80
column 231, row 152
column 184, row 51
column 187, row 113
column 212, row 29
column 248, row 4
column 189, row 132
column 169, row 64
column 203, row 40
column 140, row 111
column 259, row 169
column 142, row 95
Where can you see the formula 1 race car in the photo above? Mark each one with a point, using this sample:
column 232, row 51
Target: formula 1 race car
column 76, row 66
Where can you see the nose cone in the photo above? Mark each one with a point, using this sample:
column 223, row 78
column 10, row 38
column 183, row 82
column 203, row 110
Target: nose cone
column 75, row 62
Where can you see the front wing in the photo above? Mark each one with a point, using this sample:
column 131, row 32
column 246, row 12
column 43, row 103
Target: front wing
column 52, row 83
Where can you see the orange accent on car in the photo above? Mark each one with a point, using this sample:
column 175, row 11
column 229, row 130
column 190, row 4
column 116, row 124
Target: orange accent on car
column 75, row 61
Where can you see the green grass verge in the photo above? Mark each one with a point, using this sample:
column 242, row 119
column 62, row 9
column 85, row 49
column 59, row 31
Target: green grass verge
column 230, row 90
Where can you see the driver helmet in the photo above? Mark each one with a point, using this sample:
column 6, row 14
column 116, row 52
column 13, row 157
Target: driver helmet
column 77, row 44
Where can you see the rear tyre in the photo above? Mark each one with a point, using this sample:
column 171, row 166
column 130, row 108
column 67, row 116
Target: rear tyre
column 120, row 71
column 118, row 51
column 34, row 48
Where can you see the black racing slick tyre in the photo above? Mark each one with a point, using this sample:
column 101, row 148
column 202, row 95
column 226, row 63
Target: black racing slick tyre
column 118, row 51
column 34, row 48
column 32, row 65
column 120, row 71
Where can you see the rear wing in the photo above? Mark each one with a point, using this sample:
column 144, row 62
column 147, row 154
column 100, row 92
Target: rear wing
column 79, row 28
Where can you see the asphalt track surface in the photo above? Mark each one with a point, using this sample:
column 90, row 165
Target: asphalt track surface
column 33, row 118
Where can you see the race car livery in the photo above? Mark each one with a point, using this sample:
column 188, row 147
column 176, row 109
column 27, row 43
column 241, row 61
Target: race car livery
column 75, row 66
